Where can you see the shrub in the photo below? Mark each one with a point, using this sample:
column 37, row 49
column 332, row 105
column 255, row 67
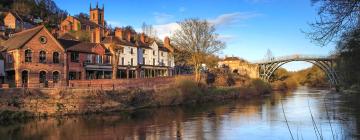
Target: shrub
column 260, row 86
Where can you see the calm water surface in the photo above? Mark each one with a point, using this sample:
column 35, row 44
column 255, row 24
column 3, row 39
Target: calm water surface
column 249, row 119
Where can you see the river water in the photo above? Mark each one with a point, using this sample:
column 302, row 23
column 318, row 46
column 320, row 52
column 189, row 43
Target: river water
column 310, row 114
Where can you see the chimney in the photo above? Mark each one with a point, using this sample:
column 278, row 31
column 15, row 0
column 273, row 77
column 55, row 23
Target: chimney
column 128, row 36
column 119, row 33
column 96, row 36
column 167, row 44
column 142, row 37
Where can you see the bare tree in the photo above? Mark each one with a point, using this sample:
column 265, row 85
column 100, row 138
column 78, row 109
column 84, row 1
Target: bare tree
column 335, row 18
column 269, row 55
column 198, row 38
column 115, row 51
column 149, row 30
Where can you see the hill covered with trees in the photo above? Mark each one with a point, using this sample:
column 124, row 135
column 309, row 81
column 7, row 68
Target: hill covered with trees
column 46, row 10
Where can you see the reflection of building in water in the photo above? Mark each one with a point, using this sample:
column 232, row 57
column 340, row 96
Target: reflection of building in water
column 203, row 122
column 240, row 66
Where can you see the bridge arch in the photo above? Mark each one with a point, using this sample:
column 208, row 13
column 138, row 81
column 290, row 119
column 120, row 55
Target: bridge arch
column 267, row 68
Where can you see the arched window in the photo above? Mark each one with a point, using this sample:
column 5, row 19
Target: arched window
column 24, row 78
column 56, row 76
column 56, row 57
column 28, row 55
column 42, row 57
column 42, row 76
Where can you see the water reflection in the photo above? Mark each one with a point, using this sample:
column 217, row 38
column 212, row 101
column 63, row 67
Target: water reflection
column 242, row 119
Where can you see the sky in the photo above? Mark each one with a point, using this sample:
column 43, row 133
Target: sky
column 248, row 27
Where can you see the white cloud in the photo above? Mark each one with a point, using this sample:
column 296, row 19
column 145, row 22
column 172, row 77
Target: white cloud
column 161, row 18
column 166, row 29
column 232, row 18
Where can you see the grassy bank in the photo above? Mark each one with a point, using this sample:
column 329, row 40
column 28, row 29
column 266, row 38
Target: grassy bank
column 29, row 103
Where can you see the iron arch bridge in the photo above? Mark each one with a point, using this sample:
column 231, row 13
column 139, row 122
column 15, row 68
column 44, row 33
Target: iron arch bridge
column 268, row 67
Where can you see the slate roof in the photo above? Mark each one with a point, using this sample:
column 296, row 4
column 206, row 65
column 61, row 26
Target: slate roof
column 19, row 39
column 77, row 46
column 67, row 36
column 68, row 43
column 112, row 39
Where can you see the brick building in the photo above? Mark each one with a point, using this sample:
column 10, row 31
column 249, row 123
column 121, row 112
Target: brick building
column 34, row 58
column 94, row 26
column 86, row 61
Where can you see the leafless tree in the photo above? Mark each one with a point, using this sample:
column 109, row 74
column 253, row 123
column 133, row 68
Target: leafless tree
column 335, row 18
column 115, row 51
column 269, row 55
column 198, row 38
column 149, row 30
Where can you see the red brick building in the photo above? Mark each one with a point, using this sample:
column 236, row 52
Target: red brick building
column 34, row 58
column 86, row 61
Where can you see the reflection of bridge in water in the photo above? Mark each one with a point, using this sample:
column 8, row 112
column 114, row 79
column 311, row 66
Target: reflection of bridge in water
column 325, row 63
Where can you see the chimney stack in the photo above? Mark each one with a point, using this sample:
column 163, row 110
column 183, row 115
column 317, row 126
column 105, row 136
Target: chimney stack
column 128, row 36
column 167, row 44
column 142, row 37
column 119, row 33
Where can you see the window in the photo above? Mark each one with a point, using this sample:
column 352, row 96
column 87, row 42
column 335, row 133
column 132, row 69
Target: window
column 27, row 55
column 43, row 40
column 72, row 75
column 42, row 77
column 131, row 63
column 122, row 61
column 89, row 58
column 107, row 59
column 98, row 59
column 162, row 62
column 74, row 57
column 162, row 53
column 153, row 52
column 56, row 76
column 154, row 61
column 144, row 51
column 42, row 57
column 56, row 57
column 131, row 51
column 144, row 60
column 9, row 58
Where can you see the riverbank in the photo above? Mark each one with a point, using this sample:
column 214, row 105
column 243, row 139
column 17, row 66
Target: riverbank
column 24, row 103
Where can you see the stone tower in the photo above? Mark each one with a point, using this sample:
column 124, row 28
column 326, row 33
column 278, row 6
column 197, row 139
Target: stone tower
column 97, row 15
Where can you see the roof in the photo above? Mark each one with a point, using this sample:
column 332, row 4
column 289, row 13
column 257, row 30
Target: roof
column 112, row 39
column 162, row 47
column 67, row 36
column 19, row 39
column 231, row 59
column 85, row 47
column 68, row 43
column 142, row 45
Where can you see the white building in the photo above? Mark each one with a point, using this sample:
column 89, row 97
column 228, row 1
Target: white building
column 142, row 57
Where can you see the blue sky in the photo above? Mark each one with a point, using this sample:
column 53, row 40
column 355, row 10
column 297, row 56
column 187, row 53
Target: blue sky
column 249, row 27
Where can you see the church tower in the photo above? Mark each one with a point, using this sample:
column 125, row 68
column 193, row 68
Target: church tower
column 97, row 15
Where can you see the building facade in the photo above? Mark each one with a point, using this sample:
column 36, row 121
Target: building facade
column 34, row 58
column 241, row 67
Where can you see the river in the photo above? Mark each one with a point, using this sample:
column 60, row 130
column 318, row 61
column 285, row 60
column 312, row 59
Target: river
column 310, row 114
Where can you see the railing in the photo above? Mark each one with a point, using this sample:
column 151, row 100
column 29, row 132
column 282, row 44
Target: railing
column 291, row 57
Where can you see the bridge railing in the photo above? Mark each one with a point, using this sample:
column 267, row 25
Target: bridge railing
column 289, row 57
